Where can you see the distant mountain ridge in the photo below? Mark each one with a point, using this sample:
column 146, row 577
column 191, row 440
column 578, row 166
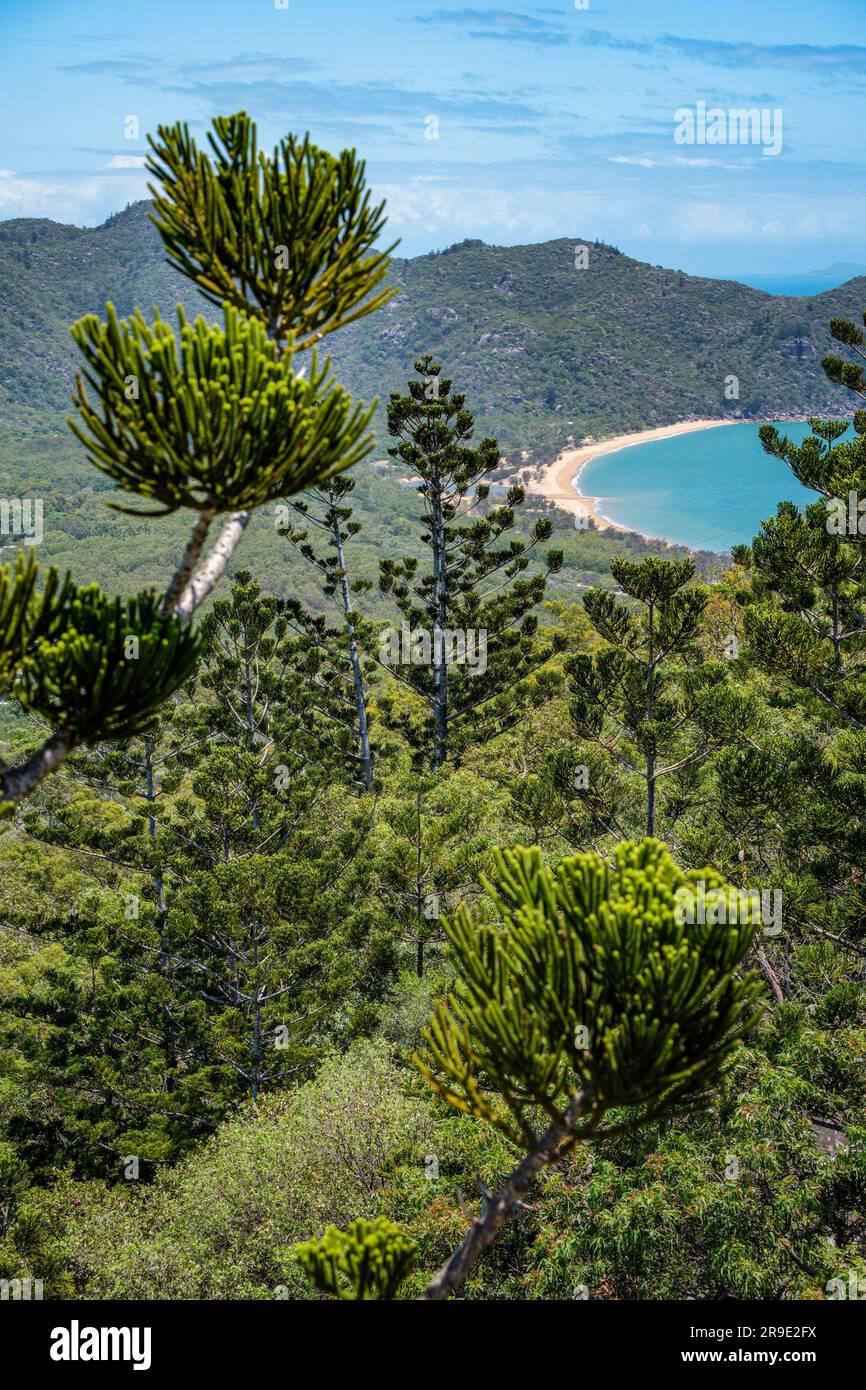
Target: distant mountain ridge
column 545, row 352
column 849, row 268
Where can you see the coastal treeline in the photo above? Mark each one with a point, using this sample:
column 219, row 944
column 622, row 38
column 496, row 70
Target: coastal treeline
column 469, row 942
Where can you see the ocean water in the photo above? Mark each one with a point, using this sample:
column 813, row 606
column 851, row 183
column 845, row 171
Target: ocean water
column 709, row 489
column 809, row 283
column 797, row 286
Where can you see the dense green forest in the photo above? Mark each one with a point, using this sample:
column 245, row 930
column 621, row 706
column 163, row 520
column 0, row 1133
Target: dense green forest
column 404, row 895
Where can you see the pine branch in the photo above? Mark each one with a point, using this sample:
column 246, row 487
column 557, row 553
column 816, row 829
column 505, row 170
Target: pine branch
column 191, row 555
column 504, row 1205
column 206, row 578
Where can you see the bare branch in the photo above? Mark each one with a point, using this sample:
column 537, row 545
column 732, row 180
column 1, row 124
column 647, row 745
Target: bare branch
column 501, row 1207
column 17, row 783
column 184, row 571
column 208, row 575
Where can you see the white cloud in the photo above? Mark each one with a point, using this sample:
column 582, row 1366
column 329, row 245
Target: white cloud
column 706, row 163
column 424, row 215
column 126, row 161
column 516, row 206
column 85, row 201
column 785, row 221
column 643, row 161
column 500, row 215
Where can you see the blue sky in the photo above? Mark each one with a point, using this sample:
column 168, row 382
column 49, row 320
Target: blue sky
column 554, row 119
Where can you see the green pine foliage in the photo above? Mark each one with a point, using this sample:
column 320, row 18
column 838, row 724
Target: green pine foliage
column 231, row 936
column 65, row 642
column 585, row 1008
column 340, row 691
column 367, row 1262
column 467, row 635
column 290, row 236
column 586, row 983
column 219, row 422
column 214, row 418
column 90, row 667
column 800, row 587
column 648, row 701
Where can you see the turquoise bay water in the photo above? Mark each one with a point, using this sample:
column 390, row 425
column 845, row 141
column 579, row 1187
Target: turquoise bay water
column 809, row 283
column 709, row 490
column 796, row 286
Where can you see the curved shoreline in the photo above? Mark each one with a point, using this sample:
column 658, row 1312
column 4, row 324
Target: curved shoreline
column 559, row 481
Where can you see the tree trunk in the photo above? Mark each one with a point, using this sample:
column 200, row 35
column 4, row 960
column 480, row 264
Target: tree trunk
column 169, row 1041
column 17, row 783
column 502, row 1207
column 440, row 671
column 183, row 573
column 419, row 896
column 257, row 1042
column 357, row 675
column 650, row 708
column 208, row 575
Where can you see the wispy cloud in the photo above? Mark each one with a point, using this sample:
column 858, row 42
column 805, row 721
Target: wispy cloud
column 276, row 87
column 493, row 208
column 506, row 26
column 645, row 161
column 140, row 68
column 250, row 67
column 304, row 101
column 518, row 27
column 134, row 67
column 829, row 59
column 523, row 153
column 814, row 58
column 109, row 36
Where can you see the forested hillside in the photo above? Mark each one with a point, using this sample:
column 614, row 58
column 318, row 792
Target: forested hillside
column 51, row 275
column 547, row 351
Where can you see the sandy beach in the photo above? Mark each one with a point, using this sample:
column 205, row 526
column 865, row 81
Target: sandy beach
column 559, row 482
